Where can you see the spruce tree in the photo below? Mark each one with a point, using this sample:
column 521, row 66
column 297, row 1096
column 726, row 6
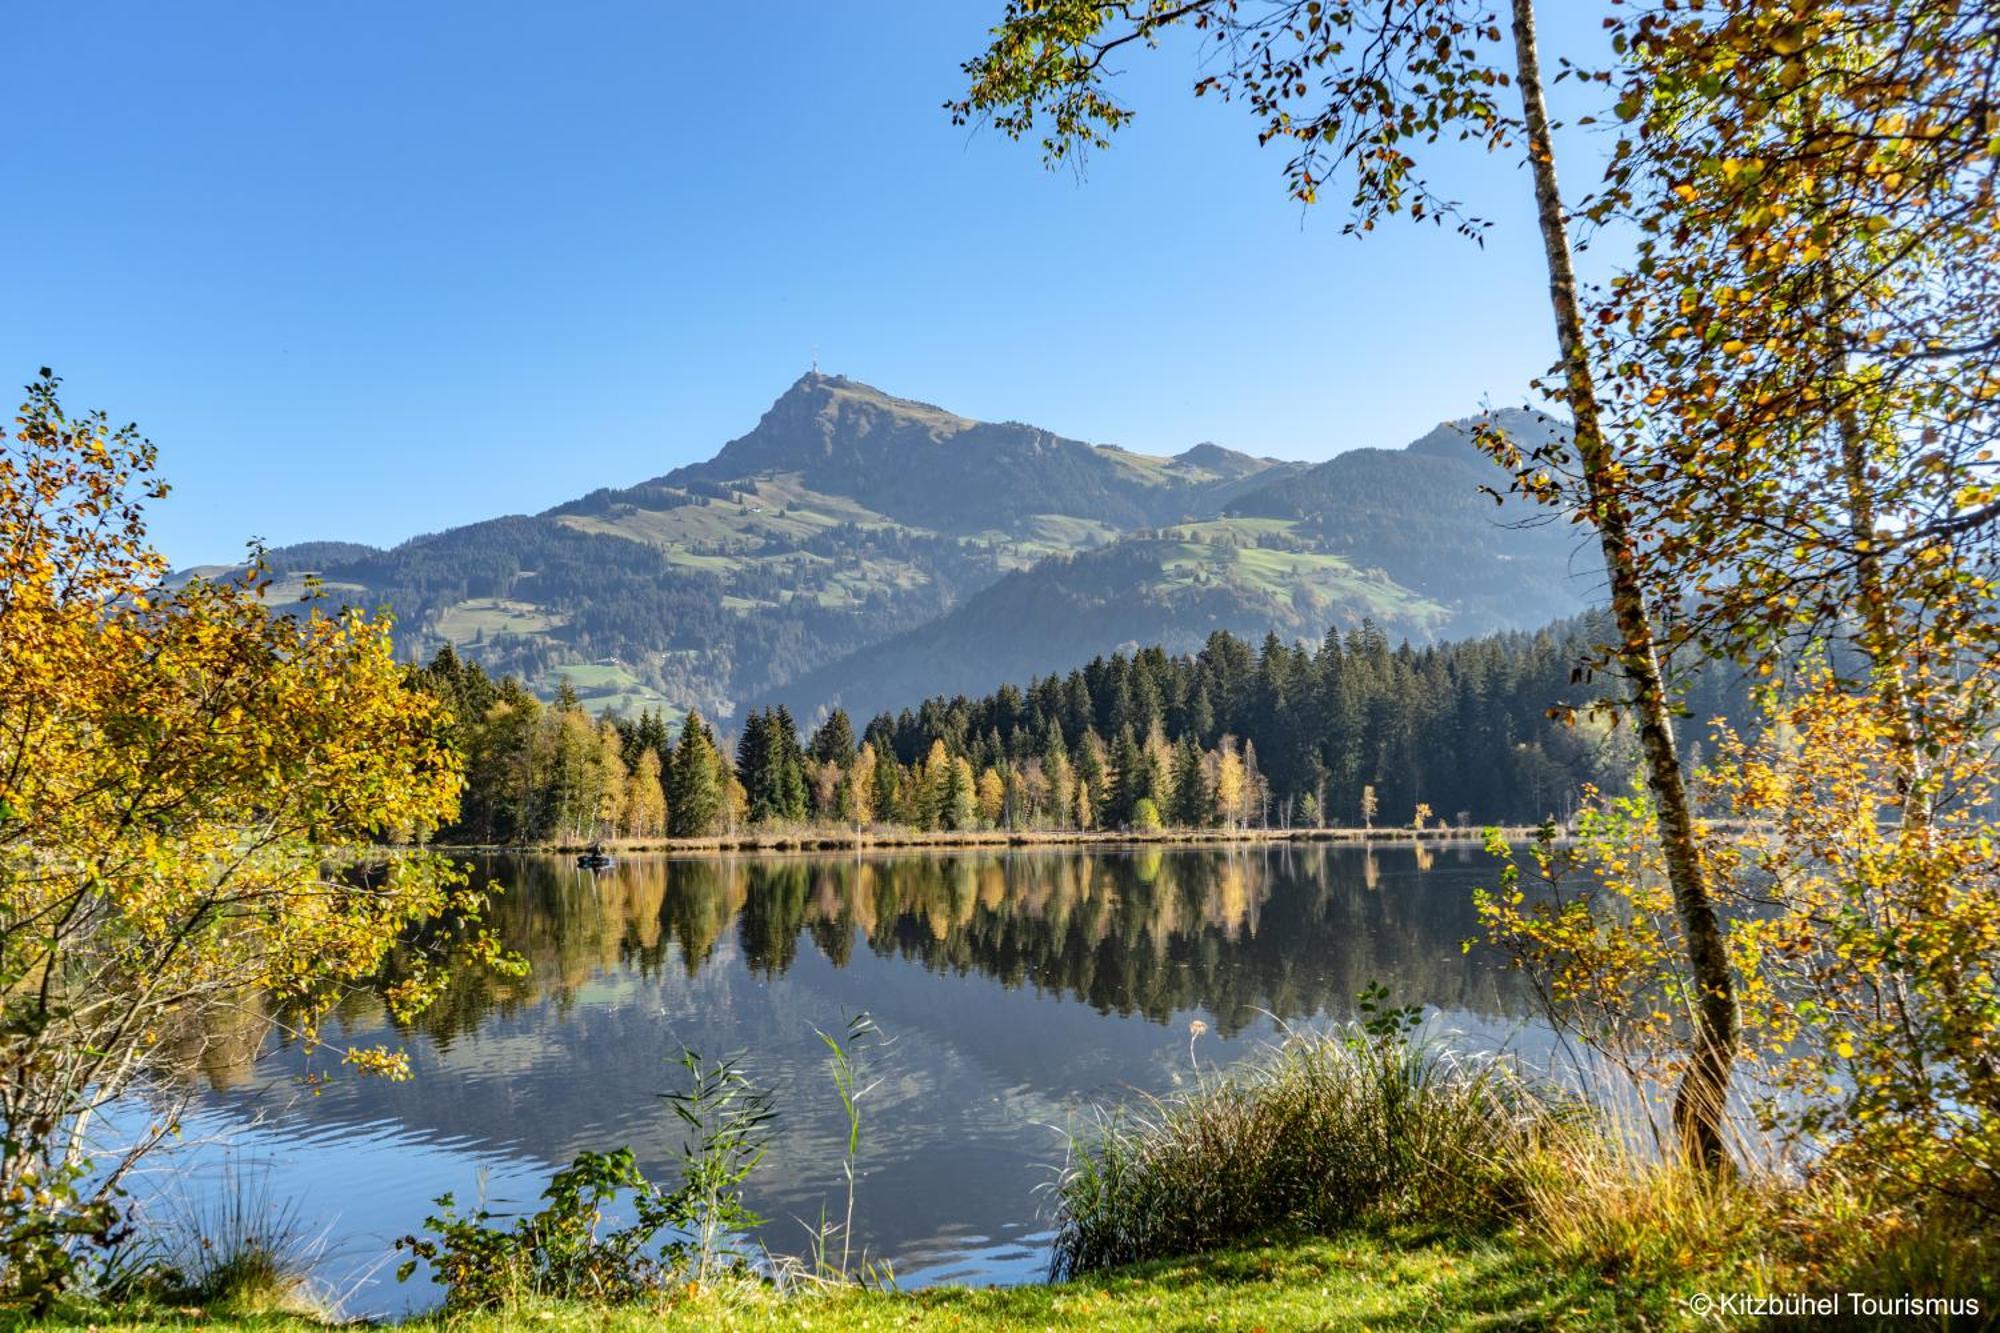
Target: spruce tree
column 1194, row 803
column 1128, row 780
column 790, row 796
column 652, row 735
column 888, row 782
column 754, row 767
column 1052, row 741
column 695, row 800
column 833, row 743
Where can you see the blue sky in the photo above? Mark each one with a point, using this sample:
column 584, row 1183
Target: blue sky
column 367, row 270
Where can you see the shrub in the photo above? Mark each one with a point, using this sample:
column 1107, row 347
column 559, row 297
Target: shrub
column 179, row 765
column 558, row 1253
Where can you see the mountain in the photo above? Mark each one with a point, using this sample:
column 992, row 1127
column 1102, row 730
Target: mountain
column 1422, row 515
column 854, row 546
column 1405, row 538
column 932, row 470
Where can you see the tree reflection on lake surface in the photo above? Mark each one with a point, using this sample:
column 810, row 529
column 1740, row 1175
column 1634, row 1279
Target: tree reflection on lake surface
column 1018, row 990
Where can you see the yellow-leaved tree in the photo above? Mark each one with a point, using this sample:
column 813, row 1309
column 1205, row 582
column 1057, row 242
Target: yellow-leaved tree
column 1807, row 353
column 1867, row 959
column 182, row 773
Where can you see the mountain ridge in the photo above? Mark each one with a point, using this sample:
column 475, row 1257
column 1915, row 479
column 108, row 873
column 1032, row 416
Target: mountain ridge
column 891, row 454
column 848, row 519
column 1330, row 547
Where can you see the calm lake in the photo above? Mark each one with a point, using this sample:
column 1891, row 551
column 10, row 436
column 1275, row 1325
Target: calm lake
column 1016, row 992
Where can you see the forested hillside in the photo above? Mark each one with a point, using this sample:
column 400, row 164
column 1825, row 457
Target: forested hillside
column 857, row 550
column 1466, row 545
column 1172, row 588
column 1404, row 538
column 1349, row 731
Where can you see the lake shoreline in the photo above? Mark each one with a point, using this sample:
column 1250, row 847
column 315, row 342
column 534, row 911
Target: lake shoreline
column 1425, row 1280
column 847, row 840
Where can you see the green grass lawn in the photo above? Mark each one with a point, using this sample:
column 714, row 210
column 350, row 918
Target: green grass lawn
column 289, row 588
column 607, row 685
column 1221, row 529
column 1395, row 1281
column 597, row 677
column 1279, row 575
column 491, row 616
column 776, row 508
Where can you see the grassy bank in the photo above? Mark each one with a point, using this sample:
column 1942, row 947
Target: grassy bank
column 1352, row 1179
column 822, row 839
column 1401, row 1280
column 1361, row 1177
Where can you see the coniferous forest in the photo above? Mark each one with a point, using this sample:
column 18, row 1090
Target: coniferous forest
column 1350, row 732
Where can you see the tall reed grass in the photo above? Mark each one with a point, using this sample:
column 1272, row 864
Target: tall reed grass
column 227, row 1244
column 1365, row 1126
column 1329, row 1130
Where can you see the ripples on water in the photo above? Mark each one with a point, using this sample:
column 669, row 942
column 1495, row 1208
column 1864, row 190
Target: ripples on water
column 1018, row 990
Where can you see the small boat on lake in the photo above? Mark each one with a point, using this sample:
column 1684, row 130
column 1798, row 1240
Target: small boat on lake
column 595, row 858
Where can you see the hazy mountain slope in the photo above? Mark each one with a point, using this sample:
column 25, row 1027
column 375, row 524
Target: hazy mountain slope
column 1403, row 537
column 1419, row 515
column 1172, row 589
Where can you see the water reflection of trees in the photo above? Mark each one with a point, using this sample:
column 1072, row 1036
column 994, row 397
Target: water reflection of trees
column 1291, row 931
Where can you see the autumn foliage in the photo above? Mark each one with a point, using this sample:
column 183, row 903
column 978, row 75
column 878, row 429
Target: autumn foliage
column 180, row 769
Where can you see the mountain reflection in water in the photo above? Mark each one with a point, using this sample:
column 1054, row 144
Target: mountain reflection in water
column 1018, row 990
